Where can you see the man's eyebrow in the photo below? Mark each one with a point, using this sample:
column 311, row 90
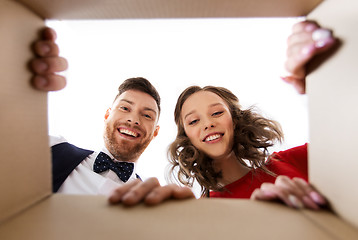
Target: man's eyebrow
column 150, row 109
column 126, row 100
column 132, row 103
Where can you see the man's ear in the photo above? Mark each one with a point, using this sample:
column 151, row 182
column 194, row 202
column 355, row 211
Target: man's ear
column 156, row 131
column 107, row 113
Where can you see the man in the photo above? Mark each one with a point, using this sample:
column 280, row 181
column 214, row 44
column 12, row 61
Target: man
column 307, row 41
column 129, row 126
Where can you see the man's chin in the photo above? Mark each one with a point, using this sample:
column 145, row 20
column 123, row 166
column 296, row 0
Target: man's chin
column 127, row 153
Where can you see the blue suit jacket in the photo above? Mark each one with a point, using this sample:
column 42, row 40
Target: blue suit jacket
column 65, row 158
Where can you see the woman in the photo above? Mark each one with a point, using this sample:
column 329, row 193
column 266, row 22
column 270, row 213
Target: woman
column 225, row 147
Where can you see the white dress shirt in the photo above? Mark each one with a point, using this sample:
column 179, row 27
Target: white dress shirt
column 83, row 180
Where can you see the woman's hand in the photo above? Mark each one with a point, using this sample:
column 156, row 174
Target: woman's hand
column 296, row 193
column 307, row 40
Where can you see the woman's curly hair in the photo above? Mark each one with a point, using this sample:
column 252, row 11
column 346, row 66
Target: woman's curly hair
column 253, row 134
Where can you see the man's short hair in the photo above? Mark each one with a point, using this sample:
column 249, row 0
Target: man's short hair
column 140, row 84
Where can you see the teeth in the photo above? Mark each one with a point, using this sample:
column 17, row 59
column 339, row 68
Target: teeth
column 212, row 137
column 128, row 132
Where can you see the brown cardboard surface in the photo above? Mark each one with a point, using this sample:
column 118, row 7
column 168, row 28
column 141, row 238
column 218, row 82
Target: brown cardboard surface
column 333, row 96
column 90, row 217
column 108, row 9
column 24, row 138
column 25, row 166
column 333, row 225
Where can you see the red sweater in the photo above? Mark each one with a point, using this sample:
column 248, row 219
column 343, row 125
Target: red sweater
column 292, row 163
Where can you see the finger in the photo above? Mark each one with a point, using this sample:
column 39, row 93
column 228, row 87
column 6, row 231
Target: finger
column 161, row 194
column 260, row 194
column 298, row 190
column 298, row 83
column 300, row 37
column 304, row 46
column 118, row 193
column 323, row 39
column 49, row 82
column 138, row 193
column 294, row 191
column 318, row 198
column 182, row 193
column 46, row 49
column 307, row 25
column 312, row 198
column 290, row 186
column 48, row 65
column 48, row 34
column 298, row 56
column 281, row 194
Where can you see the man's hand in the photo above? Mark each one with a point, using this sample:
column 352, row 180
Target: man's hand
column 307, row 40
column 47, row 63
column 150, row 192
column 296, row 193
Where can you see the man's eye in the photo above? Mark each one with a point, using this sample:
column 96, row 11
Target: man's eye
column 193, row 122
column 147, row 116
column 124, row 108
column 217, row 113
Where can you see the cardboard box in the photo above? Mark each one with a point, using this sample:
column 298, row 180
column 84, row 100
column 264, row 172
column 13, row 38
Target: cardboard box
column 29, row 210
column 332, row 91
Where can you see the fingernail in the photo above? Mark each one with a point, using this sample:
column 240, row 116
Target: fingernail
column 317, row 198
column 45, row 49
column 295, row 201
column 42, row 66
column 321, row 34
column 40, row 81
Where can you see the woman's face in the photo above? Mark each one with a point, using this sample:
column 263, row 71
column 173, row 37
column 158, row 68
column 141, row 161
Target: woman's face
column 208, row 124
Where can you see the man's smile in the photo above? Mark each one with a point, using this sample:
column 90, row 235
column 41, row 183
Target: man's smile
column 128, row 132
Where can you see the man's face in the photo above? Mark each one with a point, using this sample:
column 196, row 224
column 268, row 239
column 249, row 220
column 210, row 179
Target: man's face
column 130, row 125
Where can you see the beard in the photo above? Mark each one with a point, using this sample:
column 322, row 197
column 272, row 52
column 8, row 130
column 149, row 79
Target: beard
column 121, row 149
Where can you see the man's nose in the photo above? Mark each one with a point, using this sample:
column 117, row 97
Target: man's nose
column 134, row 119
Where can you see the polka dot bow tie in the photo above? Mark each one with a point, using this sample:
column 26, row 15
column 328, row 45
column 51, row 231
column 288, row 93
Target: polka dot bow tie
column 123, row 169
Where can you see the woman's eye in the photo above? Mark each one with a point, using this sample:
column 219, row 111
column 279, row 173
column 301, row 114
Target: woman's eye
column 193, row 122
column 124, row 108
column 217, row 113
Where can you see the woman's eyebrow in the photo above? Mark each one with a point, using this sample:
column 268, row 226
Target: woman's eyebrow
column 211, row 105
column 215, row 104
column 189, row 113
